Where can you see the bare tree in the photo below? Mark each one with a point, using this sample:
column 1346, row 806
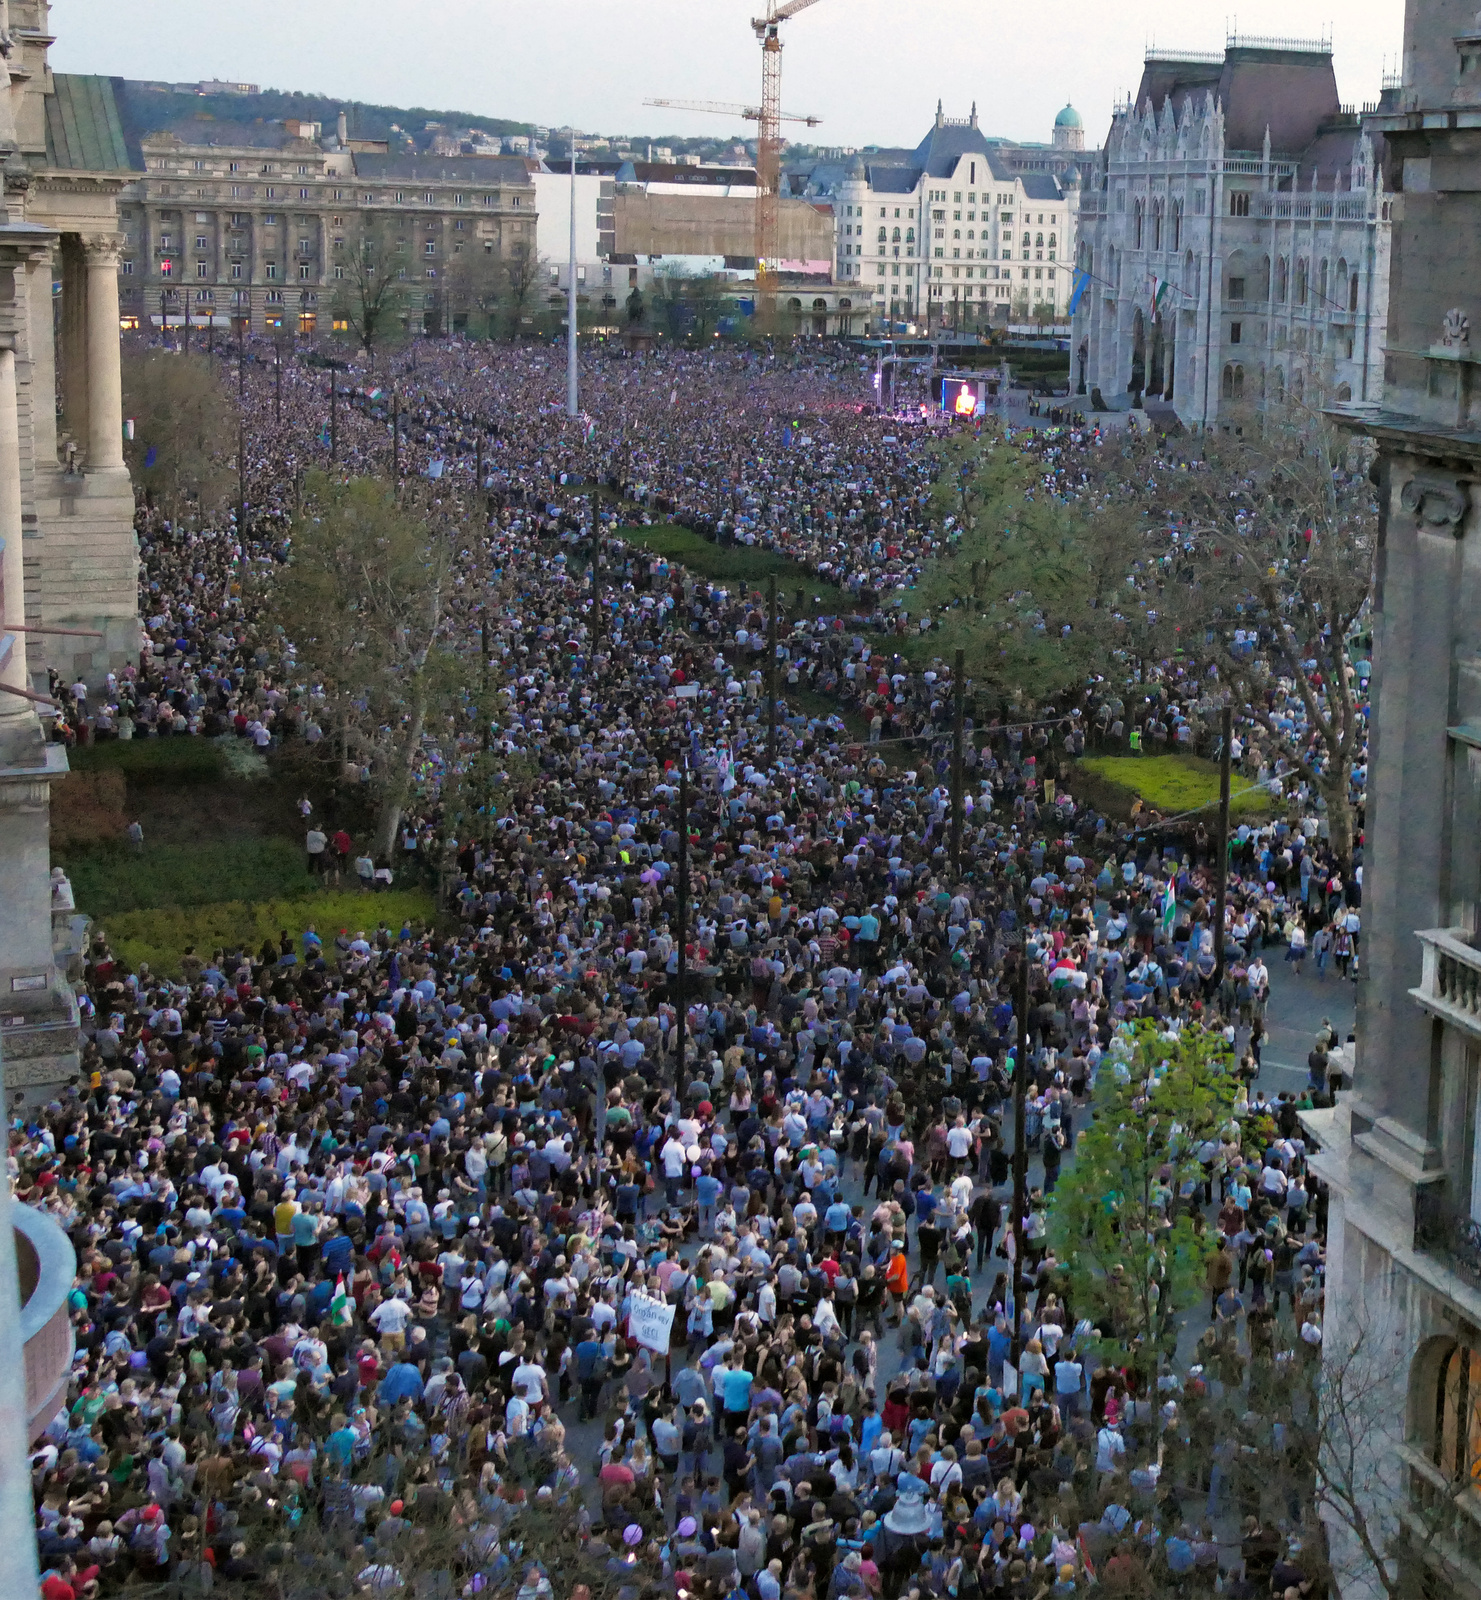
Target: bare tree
column 522, row 271
column 185, row 434
column 369, row 292
column 1279, row 535
column 365, row 599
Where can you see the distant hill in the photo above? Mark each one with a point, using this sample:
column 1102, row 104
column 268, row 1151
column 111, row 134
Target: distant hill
column 156, row 108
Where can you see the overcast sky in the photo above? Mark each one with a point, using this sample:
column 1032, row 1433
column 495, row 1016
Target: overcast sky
column 872, row 69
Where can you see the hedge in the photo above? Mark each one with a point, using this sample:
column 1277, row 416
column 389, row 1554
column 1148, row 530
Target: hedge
column 112, row 878
column 161, row 937
column 176, row 759
column 1170, row 784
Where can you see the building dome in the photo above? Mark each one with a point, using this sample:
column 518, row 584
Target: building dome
column 856, row 172
column 1068, row 118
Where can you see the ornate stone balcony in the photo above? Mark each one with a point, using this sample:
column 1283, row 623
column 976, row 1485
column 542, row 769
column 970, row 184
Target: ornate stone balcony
column 1450, row 987
column 46, row 1265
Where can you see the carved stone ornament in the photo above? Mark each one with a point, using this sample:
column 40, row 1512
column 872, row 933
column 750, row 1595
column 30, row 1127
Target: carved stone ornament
column 1455, row 331
column 1435, row 502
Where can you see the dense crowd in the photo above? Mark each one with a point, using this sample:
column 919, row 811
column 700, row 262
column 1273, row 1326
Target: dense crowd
column 364, row 1222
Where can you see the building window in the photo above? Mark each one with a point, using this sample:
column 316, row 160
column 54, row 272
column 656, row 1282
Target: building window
column 202, row 270
column 166, row 269
column 127, row 268
column 1239, row 202
column 272, row 269
column 233, row 166
column 1456, row 1447
column 303, row 194
column 430, row 248
column 200, row 241
column 1236, row 329
column 305, row 270
column 1236, row 288
column 428, row 196
column 270, row 192
column 236, row 269
column 271, row 219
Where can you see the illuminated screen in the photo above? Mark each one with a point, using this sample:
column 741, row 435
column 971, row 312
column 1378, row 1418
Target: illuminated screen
column 959, row 396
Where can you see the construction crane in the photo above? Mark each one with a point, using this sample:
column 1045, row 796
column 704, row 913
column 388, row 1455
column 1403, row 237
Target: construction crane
column 729, row 108
column 769, row 134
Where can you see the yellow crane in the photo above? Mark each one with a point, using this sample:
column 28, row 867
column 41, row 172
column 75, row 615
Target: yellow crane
column 769, row 134
column 769, row 118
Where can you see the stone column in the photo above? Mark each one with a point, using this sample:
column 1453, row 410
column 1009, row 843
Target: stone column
column 74, row 341
column 104, row 369
column 13, row 674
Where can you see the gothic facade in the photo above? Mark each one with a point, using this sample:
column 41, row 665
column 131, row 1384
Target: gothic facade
column 1233, row 239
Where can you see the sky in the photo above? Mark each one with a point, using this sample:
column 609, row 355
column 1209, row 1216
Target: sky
column 871, row 69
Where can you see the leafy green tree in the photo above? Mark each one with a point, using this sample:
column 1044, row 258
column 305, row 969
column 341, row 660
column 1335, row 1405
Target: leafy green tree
column 1120, row 1216
column 365, row 601
column 1038, row 592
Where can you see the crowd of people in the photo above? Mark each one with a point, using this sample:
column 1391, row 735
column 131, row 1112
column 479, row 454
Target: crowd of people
column 365, row 1223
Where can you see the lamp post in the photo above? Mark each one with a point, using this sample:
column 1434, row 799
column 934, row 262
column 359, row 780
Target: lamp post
column 573, row 407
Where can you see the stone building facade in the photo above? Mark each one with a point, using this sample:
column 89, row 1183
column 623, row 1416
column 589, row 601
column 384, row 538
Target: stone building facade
column 68, row 559
column 954, row 233
column 1402, row 1151
column 239, row 223
column 68, row 166
column 1233, row 238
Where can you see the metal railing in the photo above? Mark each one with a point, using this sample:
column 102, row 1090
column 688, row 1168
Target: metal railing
column 1445, row 1230
column 1261, row 41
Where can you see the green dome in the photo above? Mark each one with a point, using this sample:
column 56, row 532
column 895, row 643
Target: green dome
column 1068, row 118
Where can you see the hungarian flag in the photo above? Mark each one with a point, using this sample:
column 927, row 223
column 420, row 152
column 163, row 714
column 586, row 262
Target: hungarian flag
column 341, row 1312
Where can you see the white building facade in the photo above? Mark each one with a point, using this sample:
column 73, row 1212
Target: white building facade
column 1234, row 239
column 947, row 236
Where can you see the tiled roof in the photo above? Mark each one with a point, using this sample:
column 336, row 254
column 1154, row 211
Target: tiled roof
column 83, row 130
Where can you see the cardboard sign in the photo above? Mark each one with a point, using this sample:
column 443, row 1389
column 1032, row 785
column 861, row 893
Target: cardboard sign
column 651, row 1323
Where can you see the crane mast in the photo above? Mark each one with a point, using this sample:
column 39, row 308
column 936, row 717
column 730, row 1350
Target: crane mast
column 769, row 137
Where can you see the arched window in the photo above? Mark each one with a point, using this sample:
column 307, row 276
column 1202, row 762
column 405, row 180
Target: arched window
column 1321, row 283
column 1455, row 1443
column 1301, row 277
column 1298, row 387
column 1177, row 224
column 1264, row 278
column 896, row 236
column 1280, row 385
column 1339, row 283
column 1228, row 386
column 1137, row 215
column 1039, row 241
column 883, row 235
column 794, row 305
column 910, row 236
column 1027, row 241
column 820, row 305
column 1051, row 241
column 1281, row 272
column 1352, row 294
column 1344, row 393
column 1157, row 225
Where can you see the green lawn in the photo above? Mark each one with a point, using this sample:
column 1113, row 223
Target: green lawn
column 736, row 563
column 1172, row 784
column 161, row 937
